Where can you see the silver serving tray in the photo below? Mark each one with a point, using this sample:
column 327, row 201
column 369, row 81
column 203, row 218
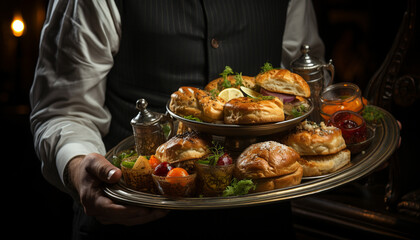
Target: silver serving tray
column 221, row 129
column 381, row 148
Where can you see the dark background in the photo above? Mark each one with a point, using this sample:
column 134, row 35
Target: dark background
column 357, row 35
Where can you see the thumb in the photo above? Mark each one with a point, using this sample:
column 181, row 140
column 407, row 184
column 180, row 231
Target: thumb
column 103, row 169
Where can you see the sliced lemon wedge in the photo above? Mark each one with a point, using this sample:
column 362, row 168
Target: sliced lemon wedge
column 230, row 93
column 250, row 92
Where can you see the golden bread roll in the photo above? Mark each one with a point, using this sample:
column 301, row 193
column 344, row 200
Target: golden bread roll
column 266, row 184
column 270, row 165
column 310, row 138
column 246, row 110
column 183, row 150
column 217, row 84
column 191, row 101
column 324, row 164
column 283, row 81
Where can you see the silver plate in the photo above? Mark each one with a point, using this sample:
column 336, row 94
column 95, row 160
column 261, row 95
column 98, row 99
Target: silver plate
column 382, row 147
column 221, row 129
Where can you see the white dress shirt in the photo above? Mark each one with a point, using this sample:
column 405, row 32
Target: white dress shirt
column 78, row 42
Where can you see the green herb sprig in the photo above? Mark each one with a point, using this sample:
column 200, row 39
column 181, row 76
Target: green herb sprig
column 226, row 72
column 372, row 114
column 266, row 67
column 216, row 152
column 239, row 187
column 226, row 83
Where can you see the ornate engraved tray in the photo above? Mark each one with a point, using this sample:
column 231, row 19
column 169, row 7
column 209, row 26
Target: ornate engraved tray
column 382, row 147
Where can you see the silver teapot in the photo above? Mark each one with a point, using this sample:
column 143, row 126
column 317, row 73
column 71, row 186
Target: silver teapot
column 312, row 70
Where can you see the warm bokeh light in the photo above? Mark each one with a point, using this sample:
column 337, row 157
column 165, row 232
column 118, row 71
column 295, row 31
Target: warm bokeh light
column 18, row 27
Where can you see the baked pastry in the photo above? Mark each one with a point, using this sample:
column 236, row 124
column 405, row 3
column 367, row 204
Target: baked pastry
column 183, row 150
column 217, row 86
column 310, row 138
column 191, row 101
column 283, row 81
column 271, row 165
column 322, row 148
column 324, row 164
column 291, row 88
column 246, row 110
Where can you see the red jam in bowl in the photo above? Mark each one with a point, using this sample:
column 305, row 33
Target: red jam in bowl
column 352, row 125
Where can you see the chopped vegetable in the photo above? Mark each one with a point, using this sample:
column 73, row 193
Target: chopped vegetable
column 128, row 164
column 116, row 160
column 190, row 117
column 153, row 161
column 299, row 110
column 240, row 187
column 142, row 165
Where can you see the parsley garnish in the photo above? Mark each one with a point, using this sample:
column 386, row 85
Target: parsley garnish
column 372, row 114
column 240, row 187
column 216, row 152
column 239, row 80
column 266, row 67
column 228, row 71
column 226, row 83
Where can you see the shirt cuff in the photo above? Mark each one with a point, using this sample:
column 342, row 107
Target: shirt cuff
column 68, row 152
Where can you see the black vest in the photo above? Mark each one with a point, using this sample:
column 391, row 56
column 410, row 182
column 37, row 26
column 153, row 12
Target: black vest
column 166, row 44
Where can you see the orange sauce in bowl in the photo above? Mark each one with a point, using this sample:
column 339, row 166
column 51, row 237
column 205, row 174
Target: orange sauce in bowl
column 350, row 103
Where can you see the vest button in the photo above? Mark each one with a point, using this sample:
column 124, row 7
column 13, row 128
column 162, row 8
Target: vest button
column 214, row 43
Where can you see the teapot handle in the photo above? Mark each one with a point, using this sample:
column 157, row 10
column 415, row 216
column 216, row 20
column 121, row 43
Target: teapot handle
column 330, row 67
column 167, row 118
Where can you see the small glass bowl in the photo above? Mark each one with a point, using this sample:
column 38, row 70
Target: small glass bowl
column 361, row 146
column 340, row 96
column 351, row 124
column 213, row 180
column 176, row 187
column 138, row 180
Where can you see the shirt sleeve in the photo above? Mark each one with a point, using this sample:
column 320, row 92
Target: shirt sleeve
column 301, row 28
column 68, row 117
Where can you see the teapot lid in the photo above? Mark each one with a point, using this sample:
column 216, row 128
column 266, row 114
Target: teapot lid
column 144, row 117
column 306, row 62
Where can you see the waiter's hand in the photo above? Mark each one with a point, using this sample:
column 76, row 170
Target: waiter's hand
column 87, row 174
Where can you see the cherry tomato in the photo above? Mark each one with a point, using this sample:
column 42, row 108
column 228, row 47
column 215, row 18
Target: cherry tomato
column 176, row 175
